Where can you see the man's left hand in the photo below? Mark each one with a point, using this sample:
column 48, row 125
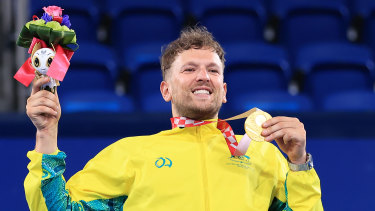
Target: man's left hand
column 290, row 134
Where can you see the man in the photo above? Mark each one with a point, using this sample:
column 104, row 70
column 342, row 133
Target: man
column 186, row 168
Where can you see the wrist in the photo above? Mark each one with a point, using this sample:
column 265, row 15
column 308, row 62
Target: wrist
column 46, row 141
column 307, row 165
column 300, row 160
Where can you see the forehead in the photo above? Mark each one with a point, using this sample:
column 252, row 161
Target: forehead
column 197, row 56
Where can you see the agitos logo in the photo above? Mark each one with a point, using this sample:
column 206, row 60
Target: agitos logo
column 163, row 161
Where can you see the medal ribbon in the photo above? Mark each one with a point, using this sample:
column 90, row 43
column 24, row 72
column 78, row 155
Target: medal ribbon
column 236, row 149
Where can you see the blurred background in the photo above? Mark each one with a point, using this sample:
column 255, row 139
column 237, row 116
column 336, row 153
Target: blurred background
column 312, row 59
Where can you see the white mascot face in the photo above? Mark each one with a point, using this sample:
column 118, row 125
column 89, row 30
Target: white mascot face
column 42, row 59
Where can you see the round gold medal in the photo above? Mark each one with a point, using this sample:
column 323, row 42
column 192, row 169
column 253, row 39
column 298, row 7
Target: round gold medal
column 253, row 124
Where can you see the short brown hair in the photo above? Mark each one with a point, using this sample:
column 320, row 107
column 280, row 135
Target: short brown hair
column 196, row 37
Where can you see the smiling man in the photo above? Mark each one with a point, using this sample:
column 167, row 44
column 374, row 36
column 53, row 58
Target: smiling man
column 189, row 167
column 195, row 84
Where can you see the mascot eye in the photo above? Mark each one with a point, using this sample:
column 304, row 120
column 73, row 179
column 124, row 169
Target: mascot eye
column 49, row 61
column 36, row 62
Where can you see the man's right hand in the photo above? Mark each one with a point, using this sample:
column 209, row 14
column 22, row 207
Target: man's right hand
column 43, row 109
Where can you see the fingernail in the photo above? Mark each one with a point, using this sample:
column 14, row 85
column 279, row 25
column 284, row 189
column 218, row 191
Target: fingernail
column 264, row 132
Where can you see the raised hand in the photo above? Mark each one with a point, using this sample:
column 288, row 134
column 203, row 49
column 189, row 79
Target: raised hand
column 43, row 109
column 289, row 134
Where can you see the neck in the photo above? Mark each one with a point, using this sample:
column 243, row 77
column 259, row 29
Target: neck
column 195, row 115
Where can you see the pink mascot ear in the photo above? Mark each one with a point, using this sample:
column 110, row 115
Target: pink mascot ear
column 35, row 41
column 26, row 73
column 60, row 64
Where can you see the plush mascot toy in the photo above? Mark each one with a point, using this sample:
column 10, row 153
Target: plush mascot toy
column 51, row 44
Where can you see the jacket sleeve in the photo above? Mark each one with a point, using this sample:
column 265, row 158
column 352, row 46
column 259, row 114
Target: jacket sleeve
column 298, row 190
column 103, row 184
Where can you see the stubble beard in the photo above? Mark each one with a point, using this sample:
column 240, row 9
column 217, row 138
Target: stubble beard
column 190, row 110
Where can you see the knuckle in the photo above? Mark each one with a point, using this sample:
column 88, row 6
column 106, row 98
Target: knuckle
column 302, row 125
column 49, row 109
column 28, row 112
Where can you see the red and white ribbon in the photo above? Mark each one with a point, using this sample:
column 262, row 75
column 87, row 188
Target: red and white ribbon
column 235, row 148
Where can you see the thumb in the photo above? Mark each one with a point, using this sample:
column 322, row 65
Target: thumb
column 37, row 83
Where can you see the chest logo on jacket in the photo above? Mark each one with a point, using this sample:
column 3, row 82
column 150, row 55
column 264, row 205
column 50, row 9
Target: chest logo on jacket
column 163, row 161
column 239, row 161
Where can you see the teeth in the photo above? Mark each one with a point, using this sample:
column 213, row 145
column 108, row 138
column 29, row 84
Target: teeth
column 201, row 91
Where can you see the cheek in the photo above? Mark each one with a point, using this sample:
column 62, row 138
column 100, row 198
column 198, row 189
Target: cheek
column 178, row 85
column 219, row 84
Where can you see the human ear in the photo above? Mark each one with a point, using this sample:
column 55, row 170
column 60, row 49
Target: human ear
column 225, row 93
column 165, row 91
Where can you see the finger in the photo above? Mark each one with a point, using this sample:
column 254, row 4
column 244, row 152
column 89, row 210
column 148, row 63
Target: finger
column 44, row 94
column 275, row 120
column 43, row 110
column 280, row 134
column 278, row 126
column 38, row 83
column 32, row 106
column 43, row 101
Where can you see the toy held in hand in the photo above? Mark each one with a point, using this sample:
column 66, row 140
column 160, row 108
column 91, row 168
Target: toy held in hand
column 51, row 44
column 41, row 61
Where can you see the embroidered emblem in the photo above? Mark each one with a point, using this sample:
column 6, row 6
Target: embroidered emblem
column 239, row 161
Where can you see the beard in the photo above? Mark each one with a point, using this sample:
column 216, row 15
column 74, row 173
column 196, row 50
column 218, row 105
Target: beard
column 187, row 108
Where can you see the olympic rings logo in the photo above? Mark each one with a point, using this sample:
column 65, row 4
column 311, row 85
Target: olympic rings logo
column 163, row 161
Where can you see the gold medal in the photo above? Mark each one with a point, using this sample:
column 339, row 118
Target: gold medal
column 253, row 124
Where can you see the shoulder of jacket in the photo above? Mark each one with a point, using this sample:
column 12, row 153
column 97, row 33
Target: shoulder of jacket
column 138, row 139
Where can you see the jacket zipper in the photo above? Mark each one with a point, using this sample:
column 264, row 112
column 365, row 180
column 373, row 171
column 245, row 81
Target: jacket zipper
column 204, row 169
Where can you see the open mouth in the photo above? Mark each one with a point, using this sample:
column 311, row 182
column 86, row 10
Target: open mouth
column 202, row 91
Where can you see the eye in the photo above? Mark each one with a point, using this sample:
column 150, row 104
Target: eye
column 214, row 71
column 36, row 62
column 188, row 70
column 49, row 61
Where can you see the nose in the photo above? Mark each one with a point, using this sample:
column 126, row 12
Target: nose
column 202, row 75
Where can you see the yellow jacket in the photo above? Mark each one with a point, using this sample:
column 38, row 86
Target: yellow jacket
column 178, row 169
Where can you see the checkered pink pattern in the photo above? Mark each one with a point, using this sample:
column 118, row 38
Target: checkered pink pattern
column 222, row 125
